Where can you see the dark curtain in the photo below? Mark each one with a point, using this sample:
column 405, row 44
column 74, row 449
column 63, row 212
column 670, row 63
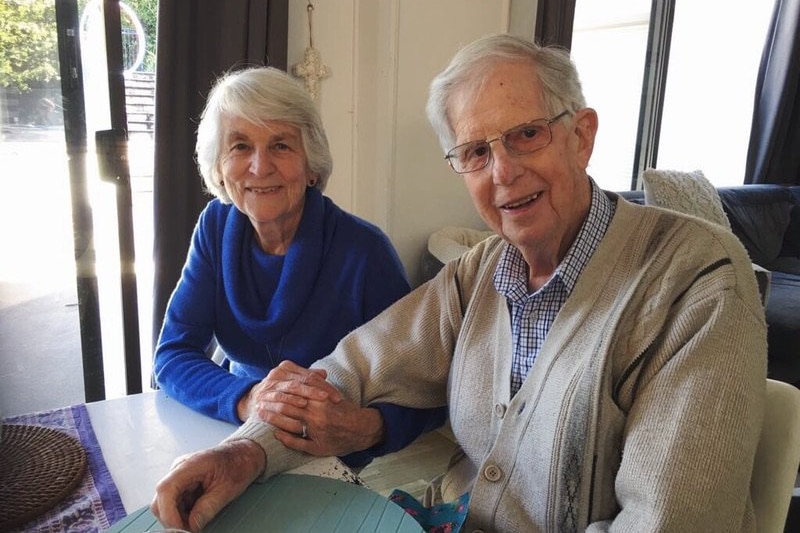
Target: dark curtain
column 774, row 152
column 197, row 41
column 554, row 20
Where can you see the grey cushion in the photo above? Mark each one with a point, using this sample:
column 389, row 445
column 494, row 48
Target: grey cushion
column 791, row 240
column 760, row 220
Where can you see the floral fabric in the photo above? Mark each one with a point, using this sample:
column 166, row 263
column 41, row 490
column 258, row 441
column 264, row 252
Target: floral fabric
column 440, row 518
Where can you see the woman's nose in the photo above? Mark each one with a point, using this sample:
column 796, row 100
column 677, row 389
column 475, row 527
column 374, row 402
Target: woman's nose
column 261, row 161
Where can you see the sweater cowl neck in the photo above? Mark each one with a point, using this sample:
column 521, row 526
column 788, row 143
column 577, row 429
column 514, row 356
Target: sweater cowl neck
column 270, row 319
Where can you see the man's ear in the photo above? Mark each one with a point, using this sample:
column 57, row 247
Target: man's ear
column 585, row 122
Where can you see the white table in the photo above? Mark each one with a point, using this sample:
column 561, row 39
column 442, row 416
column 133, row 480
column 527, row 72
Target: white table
column 142, row 434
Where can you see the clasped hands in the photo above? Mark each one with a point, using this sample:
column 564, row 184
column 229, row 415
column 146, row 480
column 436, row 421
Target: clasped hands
column 309, row 414
column 295, row 401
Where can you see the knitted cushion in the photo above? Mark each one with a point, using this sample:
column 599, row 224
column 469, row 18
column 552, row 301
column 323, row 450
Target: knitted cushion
column 686, row 192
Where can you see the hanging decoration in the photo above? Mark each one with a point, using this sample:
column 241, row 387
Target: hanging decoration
column 311, row 70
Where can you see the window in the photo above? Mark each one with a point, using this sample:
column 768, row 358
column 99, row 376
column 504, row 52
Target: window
column 613, row 88
column 697, row 116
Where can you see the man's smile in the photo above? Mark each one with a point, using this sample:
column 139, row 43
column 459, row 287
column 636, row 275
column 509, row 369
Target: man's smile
column 520, row 203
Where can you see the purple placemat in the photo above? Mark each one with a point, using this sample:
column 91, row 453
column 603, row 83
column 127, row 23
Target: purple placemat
column 96, row 503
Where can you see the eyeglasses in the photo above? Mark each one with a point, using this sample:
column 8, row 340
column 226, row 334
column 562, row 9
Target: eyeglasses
column 520, row 140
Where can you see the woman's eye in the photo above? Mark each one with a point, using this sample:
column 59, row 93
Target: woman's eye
column 239, row 147
column 280, row 147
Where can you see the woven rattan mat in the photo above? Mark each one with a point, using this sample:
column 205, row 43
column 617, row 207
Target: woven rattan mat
column 38, row 468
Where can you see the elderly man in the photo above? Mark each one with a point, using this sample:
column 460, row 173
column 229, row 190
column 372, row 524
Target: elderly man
column 603, row 363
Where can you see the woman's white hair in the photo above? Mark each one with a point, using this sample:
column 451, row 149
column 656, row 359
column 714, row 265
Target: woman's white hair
column 260, row 94
column 557, row 75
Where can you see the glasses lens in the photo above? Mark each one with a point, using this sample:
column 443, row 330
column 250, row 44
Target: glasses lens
column 469, row 157
column 528, row 137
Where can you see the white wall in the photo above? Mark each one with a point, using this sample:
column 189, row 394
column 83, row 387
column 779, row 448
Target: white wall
column 382, row 54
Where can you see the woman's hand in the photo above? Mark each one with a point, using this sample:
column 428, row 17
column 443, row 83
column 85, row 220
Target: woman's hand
column 310, row 414
column 199, row 485
column 291, row 384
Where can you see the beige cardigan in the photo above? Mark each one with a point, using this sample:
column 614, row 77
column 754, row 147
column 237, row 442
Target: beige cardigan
column 642, row 411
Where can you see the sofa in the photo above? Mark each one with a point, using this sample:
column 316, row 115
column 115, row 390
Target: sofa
column 766, row 218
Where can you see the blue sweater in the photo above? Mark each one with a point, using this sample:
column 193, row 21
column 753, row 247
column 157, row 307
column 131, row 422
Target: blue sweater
column 339, row 272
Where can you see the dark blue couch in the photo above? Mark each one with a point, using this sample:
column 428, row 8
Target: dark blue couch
column 766, row 218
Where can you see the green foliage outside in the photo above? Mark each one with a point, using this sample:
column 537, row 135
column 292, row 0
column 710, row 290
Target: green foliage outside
column 29, row 43
column 147, row 12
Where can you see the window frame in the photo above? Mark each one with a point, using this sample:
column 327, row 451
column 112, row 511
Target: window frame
column 654, row 88
column 554, row 24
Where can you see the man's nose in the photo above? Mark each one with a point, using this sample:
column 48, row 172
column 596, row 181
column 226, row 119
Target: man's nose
column 504, row 165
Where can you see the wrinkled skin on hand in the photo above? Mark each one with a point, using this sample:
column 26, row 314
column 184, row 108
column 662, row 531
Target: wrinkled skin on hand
column 200, row 484
column 291, row 396
column 291, row 384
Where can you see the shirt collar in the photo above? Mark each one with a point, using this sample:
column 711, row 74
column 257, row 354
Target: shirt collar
column 511, row 274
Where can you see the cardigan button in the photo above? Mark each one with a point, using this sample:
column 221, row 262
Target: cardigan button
column 499, row 410
column 492, row 473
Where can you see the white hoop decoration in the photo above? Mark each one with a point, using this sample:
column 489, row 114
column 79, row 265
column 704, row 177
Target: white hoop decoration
column 94, row 8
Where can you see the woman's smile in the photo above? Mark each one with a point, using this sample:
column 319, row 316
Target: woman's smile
column 263, row 190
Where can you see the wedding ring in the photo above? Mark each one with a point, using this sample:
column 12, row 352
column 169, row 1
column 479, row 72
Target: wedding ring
column 304, row 434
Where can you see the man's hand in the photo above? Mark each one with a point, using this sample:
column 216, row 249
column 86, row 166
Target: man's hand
column 199, row 485
column 332, row 429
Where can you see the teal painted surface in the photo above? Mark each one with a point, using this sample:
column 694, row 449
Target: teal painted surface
column 292, row 503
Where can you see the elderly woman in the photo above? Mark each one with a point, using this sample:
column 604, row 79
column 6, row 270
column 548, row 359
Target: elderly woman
column 603, row 363
column 276, row 271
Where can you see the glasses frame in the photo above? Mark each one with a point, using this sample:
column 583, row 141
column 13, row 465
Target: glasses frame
column 502, row 138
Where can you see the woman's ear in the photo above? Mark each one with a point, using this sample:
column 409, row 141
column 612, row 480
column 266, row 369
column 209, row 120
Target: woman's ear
column 218, row 173
column 586, row 123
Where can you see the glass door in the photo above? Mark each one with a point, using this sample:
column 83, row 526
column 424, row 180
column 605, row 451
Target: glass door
column 39, row 313
column 66, row 299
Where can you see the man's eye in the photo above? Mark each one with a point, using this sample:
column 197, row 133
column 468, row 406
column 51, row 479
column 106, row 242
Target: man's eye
column 475, row 151
column 524, row 138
